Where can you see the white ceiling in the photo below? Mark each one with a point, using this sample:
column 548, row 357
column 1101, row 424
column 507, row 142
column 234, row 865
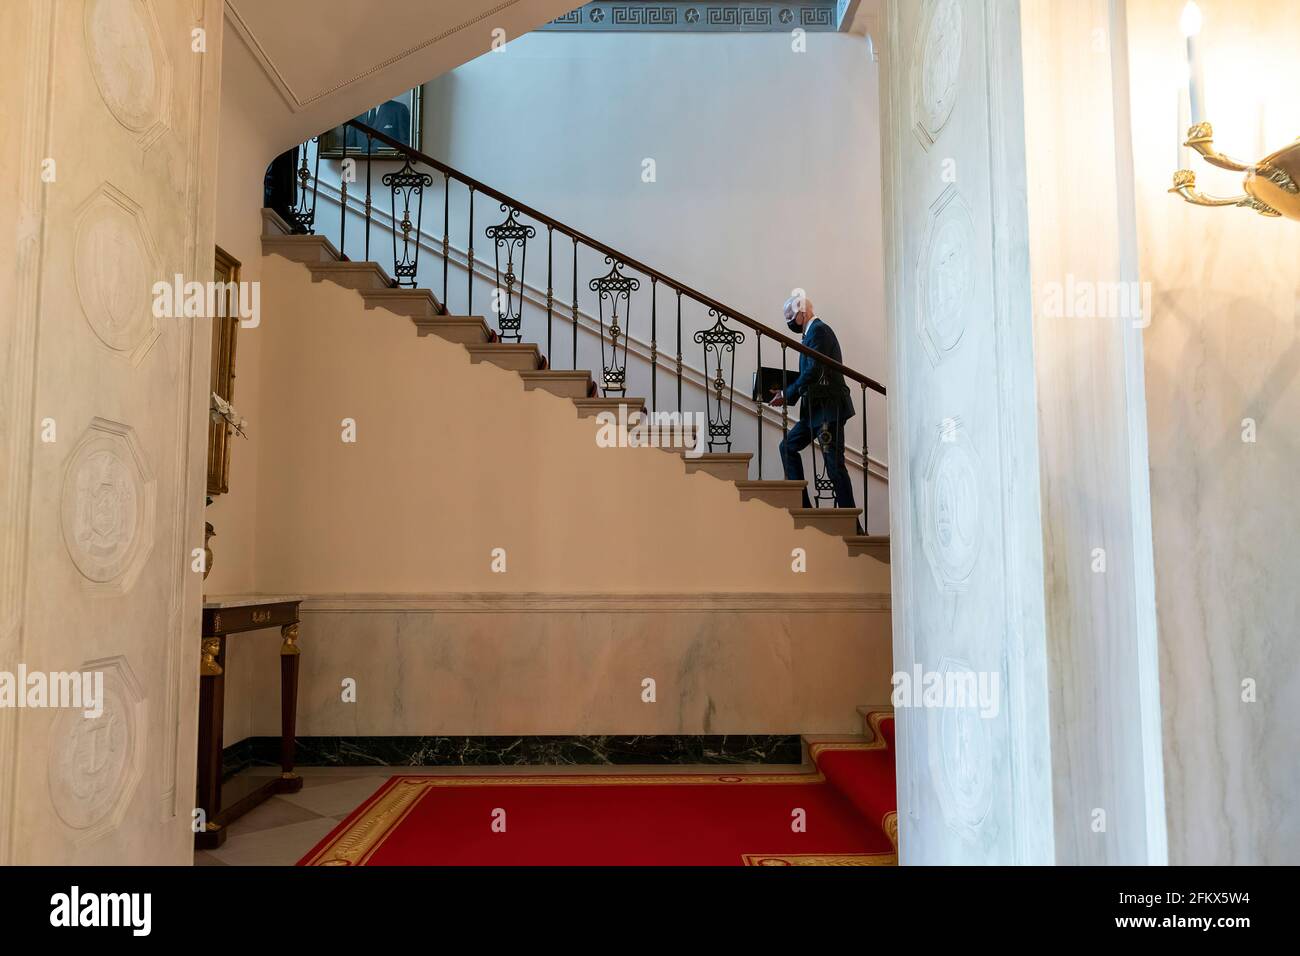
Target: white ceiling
column 311, row 49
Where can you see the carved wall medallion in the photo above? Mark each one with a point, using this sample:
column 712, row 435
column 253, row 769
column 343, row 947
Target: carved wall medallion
column 946, row 276
column 108, row 506
column 961, row 759
column 951, row 519
column 95, row 763
column 115, row 264
column 937, row 68
column 129, row 63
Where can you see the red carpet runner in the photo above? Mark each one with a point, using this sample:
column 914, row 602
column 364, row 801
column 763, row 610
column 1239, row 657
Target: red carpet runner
column 632, row 819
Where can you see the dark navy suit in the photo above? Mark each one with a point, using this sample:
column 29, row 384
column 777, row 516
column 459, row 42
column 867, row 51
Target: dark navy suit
column 824, row 404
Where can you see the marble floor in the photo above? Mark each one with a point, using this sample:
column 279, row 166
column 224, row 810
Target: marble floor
column 280, row 831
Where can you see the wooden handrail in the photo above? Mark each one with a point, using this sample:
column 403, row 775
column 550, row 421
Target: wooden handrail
column 707, row 301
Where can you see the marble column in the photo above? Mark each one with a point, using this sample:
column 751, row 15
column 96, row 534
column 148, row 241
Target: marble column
column 1020, row 506
column 1089, row 314
column 974, row 787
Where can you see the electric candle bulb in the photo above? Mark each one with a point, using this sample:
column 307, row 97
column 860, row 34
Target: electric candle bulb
column 1191, row 23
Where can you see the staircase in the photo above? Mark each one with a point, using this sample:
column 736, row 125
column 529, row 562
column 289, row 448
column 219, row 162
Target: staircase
column 526, row 360
column 862, row 768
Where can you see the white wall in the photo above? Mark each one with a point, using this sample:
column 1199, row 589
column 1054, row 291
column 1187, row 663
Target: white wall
column 766, row 161
column 1223, row 347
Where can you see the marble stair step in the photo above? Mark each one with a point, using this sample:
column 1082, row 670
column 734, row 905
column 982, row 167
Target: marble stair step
column 780, row 494
column 837, row 521
column 564, row 384
column 875, row 545
column 677, row 443
column 416, row 304
column 360, row 276
column 729, row 466
column 307, row 249
column 461, row 329
column 514, row 356
column 808, row 741
column 865, row 711
column 665, row 436
column 591, row 407
column 273, row 224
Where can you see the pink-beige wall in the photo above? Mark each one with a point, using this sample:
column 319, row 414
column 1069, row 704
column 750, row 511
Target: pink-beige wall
column 392, row 538
column 1223, row 366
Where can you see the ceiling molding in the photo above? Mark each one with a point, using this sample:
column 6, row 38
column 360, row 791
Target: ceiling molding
column 860, row 18
column 699, row 16
column 298, row 102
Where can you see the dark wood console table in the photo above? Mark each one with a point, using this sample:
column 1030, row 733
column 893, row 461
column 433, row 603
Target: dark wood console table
column 223, row 617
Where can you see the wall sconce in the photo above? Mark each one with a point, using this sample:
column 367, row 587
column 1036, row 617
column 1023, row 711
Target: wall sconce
column 1271, row 184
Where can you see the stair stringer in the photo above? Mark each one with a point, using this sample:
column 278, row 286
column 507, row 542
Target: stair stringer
column 521, row 471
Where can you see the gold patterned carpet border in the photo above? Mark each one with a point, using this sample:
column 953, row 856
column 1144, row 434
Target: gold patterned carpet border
column 824, row 859
column 359, row 841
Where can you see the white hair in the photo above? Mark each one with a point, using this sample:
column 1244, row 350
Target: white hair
column 796, row 304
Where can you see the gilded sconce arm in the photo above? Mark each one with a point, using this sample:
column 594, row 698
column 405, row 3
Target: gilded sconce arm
column 1185, row 186
column 1201, row 138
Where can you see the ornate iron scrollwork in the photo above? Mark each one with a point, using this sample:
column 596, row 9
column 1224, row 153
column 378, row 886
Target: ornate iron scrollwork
column 409, row 185
column 613, row 287
column 823, row 487
column 307, row 181
column 719, row 341
column 823, row 437
column 509, row 306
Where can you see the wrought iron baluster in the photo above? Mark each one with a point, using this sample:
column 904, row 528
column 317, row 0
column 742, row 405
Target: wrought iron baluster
column 866, row 463
column 720, row 341
column 303, row 214
column 419, row 231
column 446, row 233
column 823, row 486
column 511, row 234
column 785, row 407
column 654, row 346
column 758, row 398
column 679, row 353
column 550, row 291
column 575, row 305
column 613, row 287
column 409, row 185
column 469, row 309
column 370, row 148
column 343, row 199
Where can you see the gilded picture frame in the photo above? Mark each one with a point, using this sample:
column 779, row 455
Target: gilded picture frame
column 225, row 328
